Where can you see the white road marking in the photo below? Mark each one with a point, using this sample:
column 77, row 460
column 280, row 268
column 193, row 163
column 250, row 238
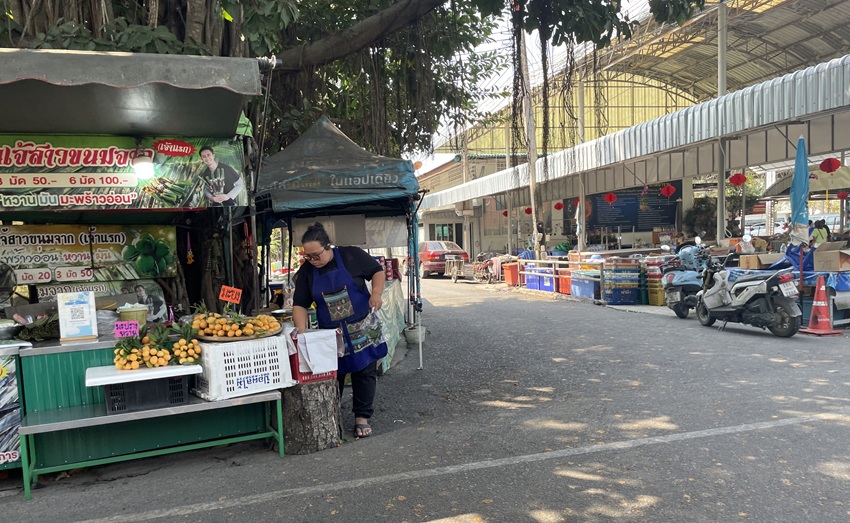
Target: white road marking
column 276, row 495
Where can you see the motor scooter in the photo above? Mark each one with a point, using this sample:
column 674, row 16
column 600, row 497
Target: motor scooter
column 760, row 300
column 683, row 277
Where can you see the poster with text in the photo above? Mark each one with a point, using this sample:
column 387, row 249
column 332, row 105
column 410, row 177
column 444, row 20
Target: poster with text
column 96, row 173
column 642, row 208
column 43, row 254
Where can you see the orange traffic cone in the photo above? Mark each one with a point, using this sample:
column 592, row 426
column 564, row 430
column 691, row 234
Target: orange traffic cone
column 820, row 322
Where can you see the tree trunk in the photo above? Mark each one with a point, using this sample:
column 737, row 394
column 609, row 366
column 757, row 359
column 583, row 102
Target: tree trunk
column 196, row 16
column 311, row 417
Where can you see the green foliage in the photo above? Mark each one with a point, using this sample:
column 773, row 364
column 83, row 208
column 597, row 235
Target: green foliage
column 118, row 35
column 264, row 22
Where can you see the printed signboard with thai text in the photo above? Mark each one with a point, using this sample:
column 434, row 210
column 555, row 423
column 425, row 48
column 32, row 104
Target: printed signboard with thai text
column 96, row 172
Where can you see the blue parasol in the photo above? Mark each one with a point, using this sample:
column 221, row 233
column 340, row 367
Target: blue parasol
column 800, row 196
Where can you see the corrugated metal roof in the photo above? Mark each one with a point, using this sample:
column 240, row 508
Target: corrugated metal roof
column 766, row 38
column 795, row 97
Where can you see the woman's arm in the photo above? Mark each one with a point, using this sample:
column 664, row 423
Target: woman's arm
column 375, row 299
column 299, row 318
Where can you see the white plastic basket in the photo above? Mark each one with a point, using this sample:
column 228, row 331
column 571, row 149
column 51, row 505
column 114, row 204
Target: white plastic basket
column 240, row 368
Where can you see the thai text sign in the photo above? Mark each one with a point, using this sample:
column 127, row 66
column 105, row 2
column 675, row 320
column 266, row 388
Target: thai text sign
column 126, row 329
column 230, row 294
column 96, row 172
column 42, row 254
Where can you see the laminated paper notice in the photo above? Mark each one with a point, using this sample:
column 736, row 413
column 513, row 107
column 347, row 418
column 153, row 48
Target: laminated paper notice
column 77, row 316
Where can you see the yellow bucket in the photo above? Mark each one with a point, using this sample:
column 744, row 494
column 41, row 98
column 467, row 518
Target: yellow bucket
column 139, row 314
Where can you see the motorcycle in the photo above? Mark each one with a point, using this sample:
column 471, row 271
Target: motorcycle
column 683, row 277
column 760, row 300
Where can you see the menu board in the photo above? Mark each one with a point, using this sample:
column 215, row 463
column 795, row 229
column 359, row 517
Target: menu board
column 641, row 208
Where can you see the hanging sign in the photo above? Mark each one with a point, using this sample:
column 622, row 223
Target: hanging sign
column 96, row 173
column 42, row 254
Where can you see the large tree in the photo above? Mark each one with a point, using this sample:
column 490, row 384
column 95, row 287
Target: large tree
column 387, row 71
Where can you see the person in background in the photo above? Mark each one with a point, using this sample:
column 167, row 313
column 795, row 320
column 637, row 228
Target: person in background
column 157, row 311
column 820, row 234
column 334, row 278
column 682, row 241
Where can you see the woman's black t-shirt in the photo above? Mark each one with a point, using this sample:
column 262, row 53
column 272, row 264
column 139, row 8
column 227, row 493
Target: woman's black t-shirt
column 359, row 263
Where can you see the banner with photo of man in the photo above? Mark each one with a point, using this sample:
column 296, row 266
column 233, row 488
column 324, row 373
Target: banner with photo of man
column 73, row 173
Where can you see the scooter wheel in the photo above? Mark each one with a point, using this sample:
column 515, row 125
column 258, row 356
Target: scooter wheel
column 704, row 316
column 681, row 310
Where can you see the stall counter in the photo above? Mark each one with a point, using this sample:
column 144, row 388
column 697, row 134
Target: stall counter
column 53, row 378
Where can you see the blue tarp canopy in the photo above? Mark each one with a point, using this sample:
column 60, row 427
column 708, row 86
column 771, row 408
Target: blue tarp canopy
column 324, row 169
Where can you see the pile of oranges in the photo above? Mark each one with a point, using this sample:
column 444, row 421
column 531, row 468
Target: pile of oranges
column 215, row 324
column 133, row 353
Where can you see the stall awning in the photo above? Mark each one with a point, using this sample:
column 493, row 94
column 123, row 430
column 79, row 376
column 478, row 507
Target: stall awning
column 83, row 92
column 323, row 168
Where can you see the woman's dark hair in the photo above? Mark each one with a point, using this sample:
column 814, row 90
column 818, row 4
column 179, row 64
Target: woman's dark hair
column 316, row 233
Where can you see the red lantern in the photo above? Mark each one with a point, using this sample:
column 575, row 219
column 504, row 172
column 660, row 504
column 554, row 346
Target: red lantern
column 558, row 206
column 842, row 195
column 528, row 210
column 738, row 179
column 668, row 190
column 610, row 198
column 575, row 203
column 504, row 213
column 830, row 165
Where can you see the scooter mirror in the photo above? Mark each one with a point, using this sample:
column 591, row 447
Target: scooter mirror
column 747, row 238
column 698, row 240
column 665, row 248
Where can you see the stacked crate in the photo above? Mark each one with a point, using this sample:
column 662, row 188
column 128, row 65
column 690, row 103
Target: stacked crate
column 621, row 281
column 652, row 267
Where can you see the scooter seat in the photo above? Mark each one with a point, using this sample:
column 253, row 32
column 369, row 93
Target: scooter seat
column 752, row 277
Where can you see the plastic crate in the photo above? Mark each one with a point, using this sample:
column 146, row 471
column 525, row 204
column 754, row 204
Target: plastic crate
column 584, row 288
column 656, row 296
column 240, row 368
column 564, row 281
column 621, row 295
column 547, row 281
column 307, row 377
column 532, row 281
column 146, row 395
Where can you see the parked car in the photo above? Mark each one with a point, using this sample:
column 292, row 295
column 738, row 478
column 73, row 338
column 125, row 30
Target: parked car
column 432, row 256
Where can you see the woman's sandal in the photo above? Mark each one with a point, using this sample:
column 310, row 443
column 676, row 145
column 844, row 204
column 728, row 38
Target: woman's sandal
column 362, row 430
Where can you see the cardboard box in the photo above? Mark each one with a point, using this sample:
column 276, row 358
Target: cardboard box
column 832, row 257
column 759, row 261
column 748, row 261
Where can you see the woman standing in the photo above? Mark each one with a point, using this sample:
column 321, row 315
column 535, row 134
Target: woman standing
column 335, row 280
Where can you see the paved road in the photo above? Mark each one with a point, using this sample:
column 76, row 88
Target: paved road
column 532, row 408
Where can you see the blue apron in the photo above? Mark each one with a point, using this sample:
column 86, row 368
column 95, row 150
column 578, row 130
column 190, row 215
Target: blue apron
column 341, row 303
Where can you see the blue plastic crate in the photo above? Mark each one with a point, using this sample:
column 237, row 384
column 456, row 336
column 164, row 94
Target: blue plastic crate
column 621, row 295
column 546, row 281
column 532, row 281
column 584, row 288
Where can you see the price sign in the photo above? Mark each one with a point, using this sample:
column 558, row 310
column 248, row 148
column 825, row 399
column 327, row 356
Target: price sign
column 231, row 294
column 126, row 329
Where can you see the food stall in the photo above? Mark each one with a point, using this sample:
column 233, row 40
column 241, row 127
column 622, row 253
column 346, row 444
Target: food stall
column 80, row 217
column 361, row 198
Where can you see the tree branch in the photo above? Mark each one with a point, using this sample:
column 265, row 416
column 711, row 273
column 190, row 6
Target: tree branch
column 358, row 36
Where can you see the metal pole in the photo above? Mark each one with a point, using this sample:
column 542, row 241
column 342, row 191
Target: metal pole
column 721, row 90
column 721, row 49
column 721, row 193
column 582, row 197
column 531, row 136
